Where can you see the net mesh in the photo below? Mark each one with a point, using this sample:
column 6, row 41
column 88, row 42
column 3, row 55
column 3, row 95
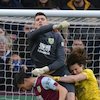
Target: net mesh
column 86, row 29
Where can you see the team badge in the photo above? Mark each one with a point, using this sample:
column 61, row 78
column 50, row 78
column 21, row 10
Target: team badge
column 51, row 40
column 39, row 89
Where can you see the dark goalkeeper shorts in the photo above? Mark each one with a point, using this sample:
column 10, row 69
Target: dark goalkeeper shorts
column 61, row 72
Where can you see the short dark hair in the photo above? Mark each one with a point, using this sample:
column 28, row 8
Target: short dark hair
column 40, row 13
column 19, row 78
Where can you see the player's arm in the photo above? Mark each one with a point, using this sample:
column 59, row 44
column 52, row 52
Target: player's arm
column 37, row 32
column 71, row 78
column 49, row 83
column 62, row 92
column 47, row 28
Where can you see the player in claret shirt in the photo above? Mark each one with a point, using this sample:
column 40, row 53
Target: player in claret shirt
column 44, row 87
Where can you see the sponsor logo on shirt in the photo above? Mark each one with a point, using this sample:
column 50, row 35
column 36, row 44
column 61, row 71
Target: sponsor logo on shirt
column 44, row 48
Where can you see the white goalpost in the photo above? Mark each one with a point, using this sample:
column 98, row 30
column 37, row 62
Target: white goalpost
column 68, row 13
column 85, row 25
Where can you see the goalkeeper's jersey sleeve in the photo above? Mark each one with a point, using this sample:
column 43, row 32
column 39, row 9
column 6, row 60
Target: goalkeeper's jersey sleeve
column 88, row 89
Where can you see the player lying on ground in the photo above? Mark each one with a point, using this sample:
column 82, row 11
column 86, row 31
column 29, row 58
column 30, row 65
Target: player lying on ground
column 45, row 88
column 85, row 82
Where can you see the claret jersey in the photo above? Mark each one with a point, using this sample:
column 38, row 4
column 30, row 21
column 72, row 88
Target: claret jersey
column 45, row 88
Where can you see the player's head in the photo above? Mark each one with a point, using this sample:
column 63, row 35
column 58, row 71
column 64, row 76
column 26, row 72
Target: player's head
column 22, row 81
column 76, row 61
column 40, row 19
column 77, row 43
column 3, row 44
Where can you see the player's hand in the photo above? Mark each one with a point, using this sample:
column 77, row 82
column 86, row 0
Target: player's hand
column 37, row 72
column 62, row 25
column 40, row 71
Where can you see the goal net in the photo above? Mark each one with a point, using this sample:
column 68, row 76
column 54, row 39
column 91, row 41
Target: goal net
column 86, row 29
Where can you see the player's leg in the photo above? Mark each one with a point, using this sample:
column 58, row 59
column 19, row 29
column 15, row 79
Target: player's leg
column 70, row 87
column 71, row 90
column 70, row 96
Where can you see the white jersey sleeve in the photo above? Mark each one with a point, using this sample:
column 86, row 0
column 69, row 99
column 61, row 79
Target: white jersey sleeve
column 48, row 83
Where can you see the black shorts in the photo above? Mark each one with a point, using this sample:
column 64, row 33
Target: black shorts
column 61, row 72
column 70, row 87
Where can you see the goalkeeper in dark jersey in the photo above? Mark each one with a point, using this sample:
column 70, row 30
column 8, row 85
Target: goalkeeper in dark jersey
column 47, row 50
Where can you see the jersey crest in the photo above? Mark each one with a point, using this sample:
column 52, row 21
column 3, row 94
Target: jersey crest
column 39, row 89
column 51, row 40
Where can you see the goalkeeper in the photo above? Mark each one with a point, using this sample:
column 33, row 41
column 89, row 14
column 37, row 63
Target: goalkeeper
column 47, row 50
